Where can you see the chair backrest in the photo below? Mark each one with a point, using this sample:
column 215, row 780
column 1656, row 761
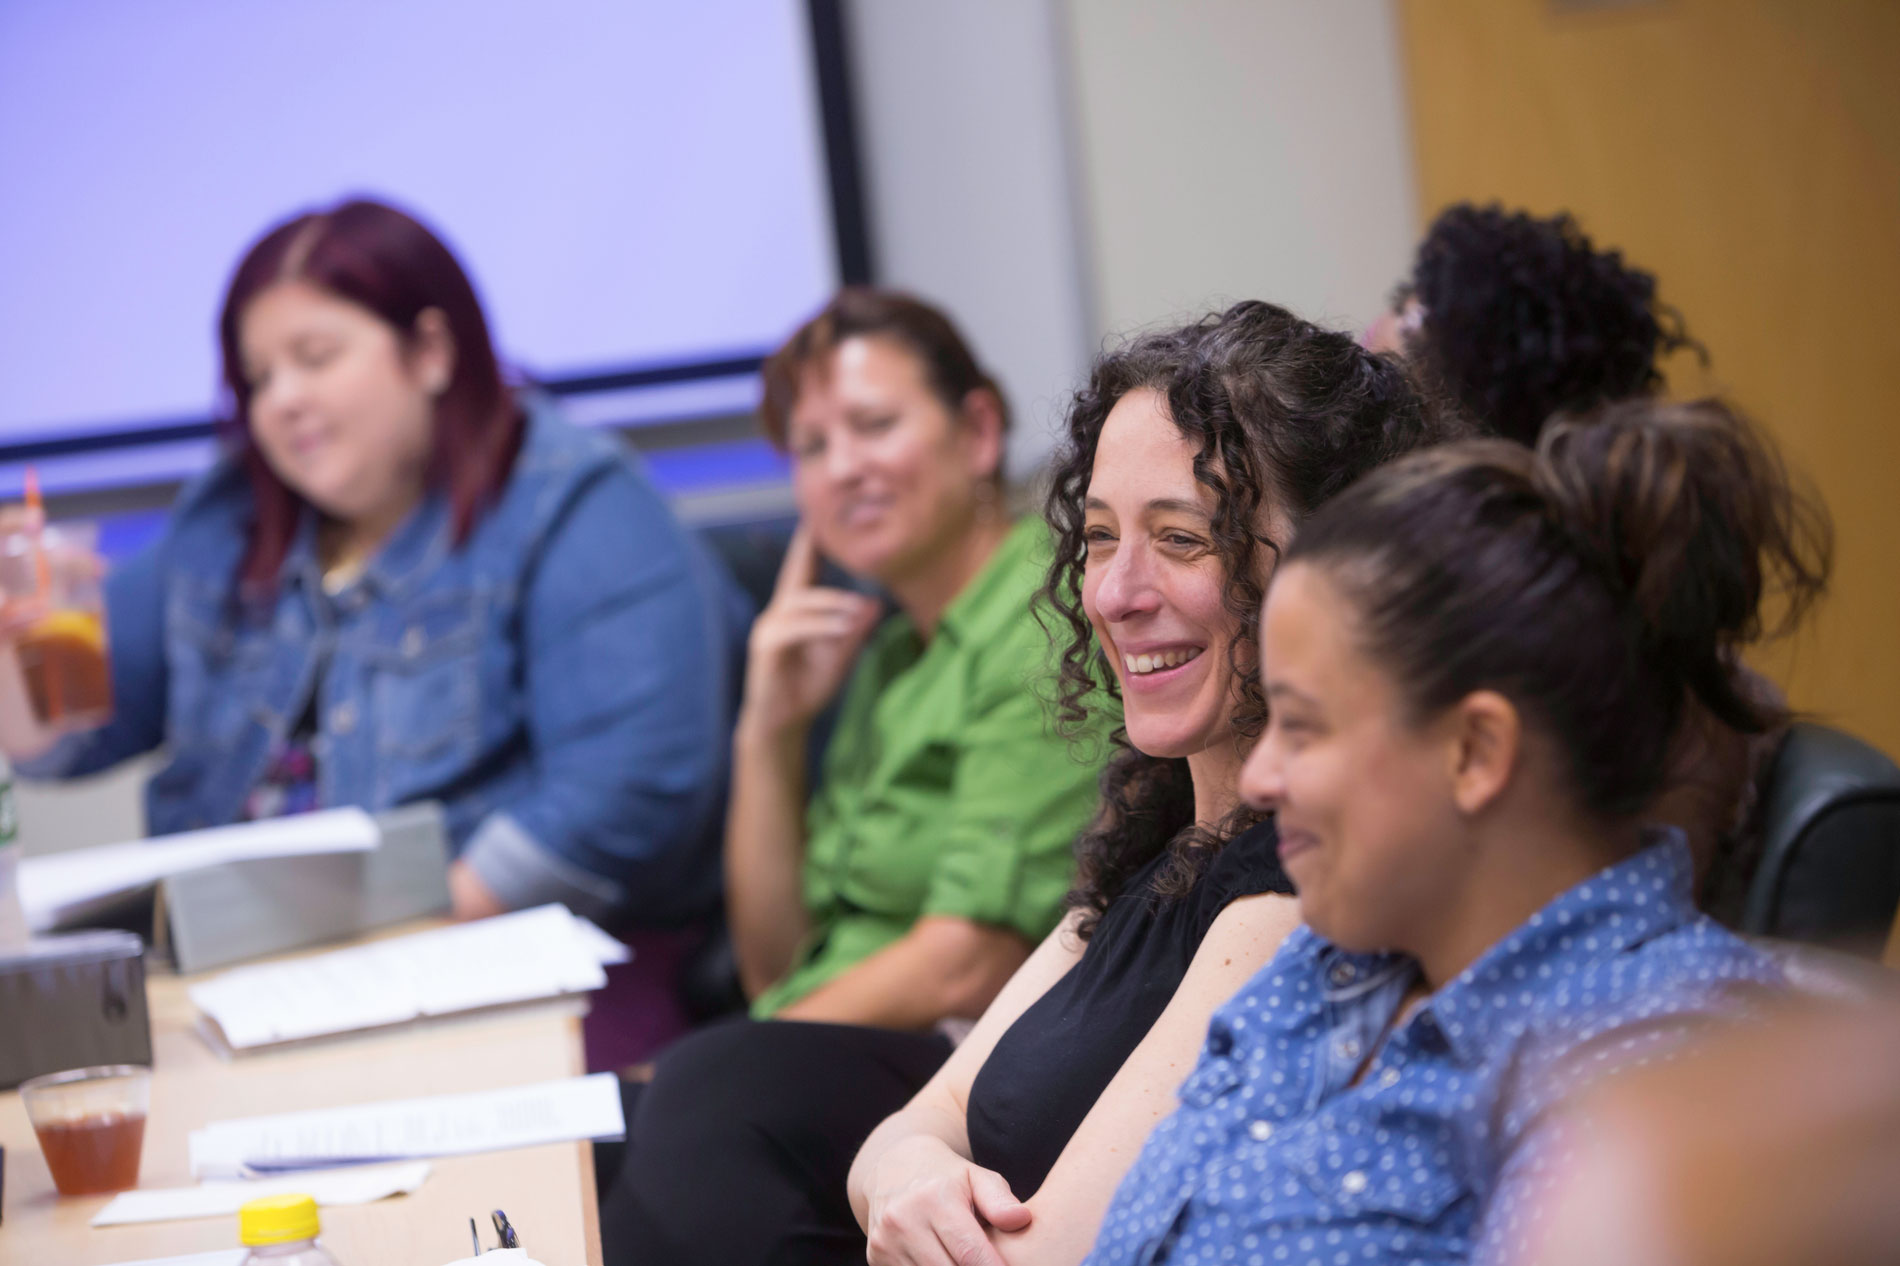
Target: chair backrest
column 751, row 551
column 1830, row 860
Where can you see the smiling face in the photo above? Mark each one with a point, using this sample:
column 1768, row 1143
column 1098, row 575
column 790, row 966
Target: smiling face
column 1370, row 832
column 342, row 406
column 1153, row 586
column 886, row 475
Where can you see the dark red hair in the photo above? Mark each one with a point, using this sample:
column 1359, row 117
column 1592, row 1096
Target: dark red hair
column 385, row 261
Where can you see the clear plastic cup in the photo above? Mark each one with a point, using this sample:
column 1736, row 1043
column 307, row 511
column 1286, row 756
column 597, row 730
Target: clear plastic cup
column 91, row 1125
column 53, row 629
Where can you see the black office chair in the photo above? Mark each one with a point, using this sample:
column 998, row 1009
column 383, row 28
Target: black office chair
column 1830, row 862
column 752, row 551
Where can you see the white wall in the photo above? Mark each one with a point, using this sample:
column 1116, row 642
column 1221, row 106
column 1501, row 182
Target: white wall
column 1241, row 149
column 962, row 111
column 1055, row 172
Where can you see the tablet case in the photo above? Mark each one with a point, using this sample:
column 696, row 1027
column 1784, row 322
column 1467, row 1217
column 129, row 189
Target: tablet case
column 226, row 914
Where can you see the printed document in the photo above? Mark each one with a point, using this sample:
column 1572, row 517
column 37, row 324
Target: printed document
column 570, row 1110
column 528, row 955
column 359, row 1185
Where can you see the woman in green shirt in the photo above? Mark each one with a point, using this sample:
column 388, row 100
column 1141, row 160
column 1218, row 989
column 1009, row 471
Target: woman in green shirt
column 933, row 854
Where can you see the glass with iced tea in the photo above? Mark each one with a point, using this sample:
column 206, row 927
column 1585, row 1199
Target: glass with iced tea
column 91, row 1125
column 52, row 627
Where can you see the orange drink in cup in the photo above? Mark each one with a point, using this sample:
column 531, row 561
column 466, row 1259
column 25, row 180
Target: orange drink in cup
column 52, row 626
column 63, row 663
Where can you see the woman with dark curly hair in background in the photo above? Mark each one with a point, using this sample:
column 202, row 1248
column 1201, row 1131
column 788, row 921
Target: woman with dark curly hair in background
column 1517, row 318
column 1193, row 455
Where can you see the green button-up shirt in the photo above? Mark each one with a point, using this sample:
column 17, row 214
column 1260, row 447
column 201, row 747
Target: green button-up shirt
column 945, row 789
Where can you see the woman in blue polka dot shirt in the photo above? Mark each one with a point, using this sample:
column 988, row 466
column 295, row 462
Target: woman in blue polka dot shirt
column 1476, row 661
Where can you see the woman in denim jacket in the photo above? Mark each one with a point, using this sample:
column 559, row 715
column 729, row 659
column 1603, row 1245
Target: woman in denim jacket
column 406, row 583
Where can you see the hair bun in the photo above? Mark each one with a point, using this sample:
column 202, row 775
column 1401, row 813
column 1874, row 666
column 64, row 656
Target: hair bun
column 1688, row 513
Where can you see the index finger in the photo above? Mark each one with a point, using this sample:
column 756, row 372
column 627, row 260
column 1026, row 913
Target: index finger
column 799, row 570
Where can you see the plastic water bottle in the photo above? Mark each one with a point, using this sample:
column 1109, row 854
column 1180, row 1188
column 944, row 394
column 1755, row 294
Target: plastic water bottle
column 12, row 917
column 282, row 1231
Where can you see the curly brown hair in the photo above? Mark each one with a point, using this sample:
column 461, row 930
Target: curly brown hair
column 1284, row 414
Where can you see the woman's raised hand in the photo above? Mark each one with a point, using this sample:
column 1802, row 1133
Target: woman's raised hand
column 803, row 644
column 930, row 1207
column 19, row 609
column 21, row 518
column 23, row 734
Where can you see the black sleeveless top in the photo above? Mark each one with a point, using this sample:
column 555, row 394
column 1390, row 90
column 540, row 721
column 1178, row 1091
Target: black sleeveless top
column 1050, row 1067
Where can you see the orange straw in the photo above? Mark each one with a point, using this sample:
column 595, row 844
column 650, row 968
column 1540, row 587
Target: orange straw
column 42, row 573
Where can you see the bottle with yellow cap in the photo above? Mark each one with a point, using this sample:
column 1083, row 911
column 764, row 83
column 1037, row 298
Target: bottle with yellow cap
column 281, row 1231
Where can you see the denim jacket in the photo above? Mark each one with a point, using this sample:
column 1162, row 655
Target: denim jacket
column 563, row 682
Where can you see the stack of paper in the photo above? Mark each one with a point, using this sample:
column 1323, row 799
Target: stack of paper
column 356, row 1185
column 63, row 886
column 520, row 957
column 569, row 1110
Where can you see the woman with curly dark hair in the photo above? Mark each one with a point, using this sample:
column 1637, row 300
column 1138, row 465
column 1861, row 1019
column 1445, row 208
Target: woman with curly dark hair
column 1478, row 658
column 1518, row 318
column 1193, row 455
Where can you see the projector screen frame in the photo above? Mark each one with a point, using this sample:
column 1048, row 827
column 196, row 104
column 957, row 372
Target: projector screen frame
column 829, row 47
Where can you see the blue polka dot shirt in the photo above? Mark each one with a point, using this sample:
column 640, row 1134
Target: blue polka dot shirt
column 1439, row 1150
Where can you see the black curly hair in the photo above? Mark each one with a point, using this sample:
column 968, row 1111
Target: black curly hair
column 1523, row 318
column 1284, row 414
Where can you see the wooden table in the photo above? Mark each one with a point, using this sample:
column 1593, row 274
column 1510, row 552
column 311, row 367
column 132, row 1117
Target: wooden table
column 547, row 1191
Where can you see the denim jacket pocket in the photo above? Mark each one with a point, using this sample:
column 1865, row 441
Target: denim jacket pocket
column 425, row 680
column 218, row 673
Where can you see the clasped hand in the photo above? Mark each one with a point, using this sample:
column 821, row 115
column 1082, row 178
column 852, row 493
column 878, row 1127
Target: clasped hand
column 931, row 1207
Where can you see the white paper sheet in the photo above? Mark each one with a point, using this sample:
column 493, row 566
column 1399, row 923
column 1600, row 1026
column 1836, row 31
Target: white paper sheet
column 605, row 949
column 528, row 955
column 223, row 1257
column 61, row 885
column 358, row 1185
column 572, row 1109
column 498, row 1257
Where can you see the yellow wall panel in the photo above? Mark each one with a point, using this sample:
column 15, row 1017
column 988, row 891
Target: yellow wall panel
column 1748, row 152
